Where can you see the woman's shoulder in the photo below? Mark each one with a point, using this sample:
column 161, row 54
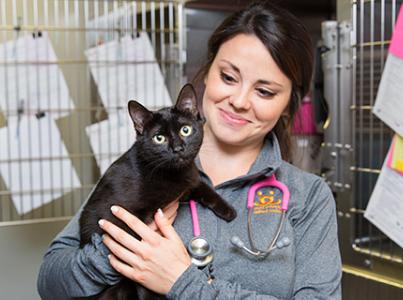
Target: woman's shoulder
column 308, row 191
column 298, row 178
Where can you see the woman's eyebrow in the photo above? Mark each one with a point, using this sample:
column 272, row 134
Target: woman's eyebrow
column 262, row 81
column 234, row 67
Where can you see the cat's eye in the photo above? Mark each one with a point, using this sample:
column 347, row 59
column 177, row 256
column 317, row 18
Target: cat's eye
column 186, row 130
column 159, row 139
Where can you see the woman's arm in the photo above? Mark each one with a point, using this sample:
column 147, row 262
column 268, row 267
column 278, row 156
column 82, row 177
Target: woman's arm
column 318, row 262
column 194, row 284
column 68, row 271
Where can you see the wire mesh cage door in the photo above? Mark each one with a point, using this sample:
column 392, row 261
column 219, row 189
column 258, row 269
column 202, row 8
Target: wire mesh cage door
column 67, row 71
column 373, row 26
column 356, row 141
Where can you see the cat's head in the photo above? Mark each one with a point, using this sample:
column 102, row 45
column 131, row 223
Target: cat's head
column 170, row 137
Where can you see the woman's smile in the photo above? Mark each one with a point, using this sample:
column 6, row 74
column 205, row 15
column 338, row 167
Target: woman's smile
column 233, row 119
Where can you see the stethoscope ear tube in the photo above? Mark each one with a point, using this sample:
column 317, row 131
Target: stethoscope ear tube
column 275, row 244
column 282, row 243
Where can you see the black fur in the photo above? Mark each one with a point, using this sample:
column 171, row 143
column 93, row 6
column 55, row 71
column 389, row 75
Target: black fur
column 150, row 176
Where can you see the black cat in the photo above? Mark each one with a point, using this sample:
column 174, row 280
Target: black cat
column 156, row 170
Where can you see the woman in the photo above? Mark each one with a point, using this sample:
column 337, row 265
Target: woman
column 259, row 68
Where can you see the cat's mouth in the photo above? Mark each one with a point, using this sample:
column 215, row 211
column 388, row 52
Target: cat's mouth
column 183, row 160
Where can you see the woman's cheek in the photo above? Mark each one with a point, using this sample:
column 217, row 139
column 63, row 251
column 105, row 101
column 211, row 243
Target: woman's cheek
column 219, row 92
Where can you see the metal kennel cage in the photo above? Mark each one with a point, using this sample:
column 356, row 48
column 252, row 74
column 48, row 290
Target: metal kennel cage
column 354, row 51
column 67, row 71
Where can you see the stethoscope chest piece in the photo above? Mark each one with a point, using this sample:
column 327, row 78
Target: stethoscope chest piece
column 200, row 251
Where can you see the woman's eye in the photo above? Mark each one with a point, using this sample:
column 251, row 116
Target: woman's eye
column 159, row 139
column 265, row 93
column 186, row 130
column 227, row 78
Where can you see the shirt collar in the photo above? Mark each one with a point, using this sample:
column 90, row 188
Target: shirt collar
column 269, row 158
column 267, row 162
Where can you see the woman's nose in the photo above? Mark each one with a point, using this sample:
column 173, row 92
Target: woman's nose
column 240, row 100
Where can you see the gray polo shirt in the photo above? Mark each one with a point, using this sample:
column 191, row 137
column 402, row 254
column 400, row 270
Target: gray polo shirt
column 309, row 268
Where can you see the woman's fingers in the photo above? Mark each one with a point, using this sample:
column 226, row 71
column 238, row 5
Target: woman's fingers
column 165, row 226
column 121, row 236
column 126, row 270
column 120, row 252
column 145, row 232
column 170, row 211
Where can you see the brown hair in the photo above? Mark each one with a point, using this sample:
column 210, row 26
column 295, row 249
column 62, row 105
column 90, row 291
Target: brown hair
column 287, row 41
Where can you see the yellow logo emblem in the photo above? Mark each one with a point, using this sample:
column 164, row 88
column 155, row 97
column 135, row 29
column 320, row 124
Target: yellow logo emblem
column 266, row 203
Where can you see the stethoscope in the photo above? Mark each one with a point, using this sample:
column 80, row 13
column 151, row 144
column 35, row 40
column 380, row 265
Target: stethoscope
column 201, row 251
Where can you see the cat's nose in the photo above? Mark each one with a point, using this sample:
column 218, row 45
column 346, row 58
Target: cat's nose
column 178, row 148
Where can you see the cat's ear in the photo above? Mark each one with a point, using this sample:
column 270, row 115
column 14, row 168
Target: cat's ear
column 139, row 114
column 187, row 100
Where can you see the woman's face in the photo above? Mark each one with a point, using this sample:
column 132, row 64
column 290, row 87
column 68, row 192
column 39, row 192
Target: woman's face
column 245, row 94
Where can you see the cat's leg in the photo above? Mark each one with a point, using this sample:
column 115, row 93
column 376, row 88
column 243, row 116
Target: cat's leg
column 124, row 290
column 88, row 226
column 145, row 294
column 209, row 198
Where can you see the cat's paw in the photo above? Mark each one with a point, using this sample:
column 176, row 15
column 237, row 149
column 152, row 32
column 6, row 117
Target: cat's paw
column 231, row 215
column 227, row 213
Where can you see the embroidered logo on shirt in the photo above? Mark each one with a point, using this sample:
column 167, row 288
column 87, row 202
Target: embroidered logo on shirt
column 267, row 202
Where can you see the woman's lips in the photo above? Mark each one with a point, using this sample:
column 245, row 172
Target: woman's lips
column 233, row 118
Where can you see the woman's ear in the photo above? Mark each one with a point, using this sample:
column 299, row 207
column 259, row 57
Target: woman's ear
column 285, row 114
column 286, row 111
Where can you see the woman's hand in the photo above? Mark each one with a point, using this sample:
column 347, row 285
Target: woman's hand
column 170, row 212
column 156, row 261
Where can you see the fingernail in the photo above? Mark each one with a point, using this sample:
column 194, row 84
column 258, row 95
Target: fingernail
column 160, row 212
column 114, row 209
column 101, row 222
column 109, row 256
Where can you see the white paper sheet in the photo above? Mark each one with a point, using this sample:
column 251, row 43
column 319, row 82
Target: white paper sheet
column 389, row 102
column 127, row 70
column 385, row 207
column 45, row 164
column 31, row 85
column 111, row 138
column 119, row 17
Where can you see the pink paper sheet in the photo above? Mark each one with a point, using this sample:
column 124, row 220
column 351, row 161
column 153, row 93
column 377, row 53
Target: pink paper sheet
column 396, row 44
column 389, row 157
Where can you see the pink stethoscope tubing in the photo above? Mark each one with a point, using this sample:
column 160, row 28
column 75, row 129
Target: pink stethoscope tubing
column 195, row 218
